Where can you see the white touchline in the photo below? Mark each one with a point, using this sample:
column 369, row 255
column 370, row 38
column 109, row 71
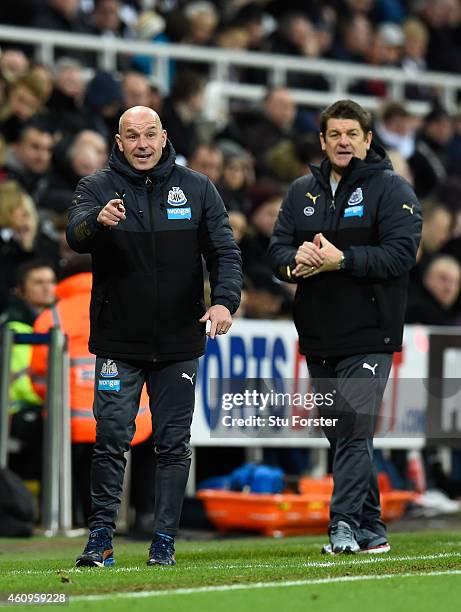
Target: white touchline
column 307, row 564
column 257, row 585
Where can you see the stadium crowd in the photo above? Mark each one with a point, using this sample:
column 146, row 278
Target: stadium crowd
column 57, row 125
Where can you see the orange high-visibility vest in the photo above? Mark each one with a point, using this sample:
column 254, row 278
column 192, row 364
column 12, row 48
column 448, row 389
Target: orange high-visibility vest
column 71, row 314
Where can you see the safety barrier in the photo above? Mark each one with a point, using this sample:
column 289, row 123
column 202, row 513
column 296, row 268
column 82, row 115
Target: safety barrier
column 339, row 75
column 57, row 473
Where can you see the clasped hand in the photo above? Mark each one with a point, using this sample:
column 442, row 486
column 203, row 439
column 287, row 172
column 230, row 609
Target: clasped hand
column 317, row 256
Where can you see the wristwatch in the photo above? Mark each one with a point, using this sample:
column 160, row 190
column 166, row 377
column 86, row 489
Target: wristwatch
column 342, row 262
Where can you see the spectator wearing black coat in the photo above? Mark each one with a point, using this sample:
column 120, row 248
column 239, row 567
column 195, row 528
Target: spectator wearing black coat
column 434, row 301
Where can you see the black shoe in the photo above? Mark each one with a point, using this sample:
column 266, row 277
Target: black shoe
column 99, row 551
column 161, row 551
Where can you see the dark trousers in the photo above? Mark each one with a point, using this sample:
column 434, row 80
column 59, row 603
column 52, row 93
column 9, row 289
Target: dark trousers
column 359, row 392
column 171, row 387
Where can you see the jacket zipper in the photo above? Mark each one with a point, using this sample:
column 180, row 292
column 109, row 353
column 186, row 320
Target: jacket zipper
column 150, row 196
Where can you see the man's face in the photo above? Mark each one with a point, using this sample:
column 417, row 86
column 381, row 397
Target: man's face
column 39, row 290
column 265, row 216
column 106, row 15
column 436, row 230
column 24, row 103
column 343, row 140
column 35, row 150
column 136, row 90
column 207, row 161
column 141, row 141
column 71, row 82
column 281, row 109
column 443, row 280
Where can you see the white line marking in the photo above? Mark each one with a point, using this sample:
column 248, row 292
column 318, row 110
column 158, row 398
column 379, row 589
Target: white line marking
column 338, row 562
column 256, row 585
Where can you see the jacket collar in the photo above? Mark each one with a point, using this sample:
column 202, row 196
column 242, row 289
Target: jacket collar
column 157, row 174
column 376, row 160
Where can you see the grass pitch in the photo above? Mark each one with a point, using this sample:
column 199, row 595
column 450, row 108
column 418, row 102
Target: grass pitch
column 422, row 573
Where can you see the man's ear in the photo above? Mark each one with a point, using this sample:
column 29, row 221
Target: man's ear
column 368, row 140
column 322, row 141
column 118, row 140
column 164, row 139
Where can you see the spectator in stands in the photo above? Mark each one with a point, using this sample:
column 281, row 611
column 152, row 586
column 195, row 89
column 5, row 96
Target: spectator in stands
column 46, row 77
column 437, row 224
column 413, row 59
column 259, row 131
column 182, row 111
column 151, row 26
column 400, row 165
column 444, row 51
column 395, row 128
column 430, row 160
column 65, row 103
column 136, row 90
column 354, row 39
column 385, row 50
column 237, row 177
column 266, row 199
column 26, row 98
column 203, row 19
column 252, row 19
column 94, row 140
column 34, row 291
column 239, row 225
column 13, row 65
column 78, row 162
column 21, row 237
column 436, row 231
column 296, row 36
column 29, row 160
column 64, row 16
column 71, row 315
column 207, row 159
column 434, row 302
column 102, row 105
column 291, row 158
column 106, row 19
column 264, row 295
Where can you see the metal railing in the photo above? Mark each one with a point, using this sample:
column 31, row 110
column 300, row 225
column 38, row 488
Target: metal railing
column 56, row 512
column 340, row 75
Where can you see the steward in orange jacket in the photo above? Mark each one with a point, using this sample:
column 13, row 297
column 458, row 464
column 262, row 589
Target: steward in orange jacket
column 71, row 314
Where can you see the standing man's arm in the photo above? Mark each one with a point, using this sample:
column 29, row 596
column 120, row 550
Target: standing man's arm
column 398, row 227
column 283, row 250
column 399, row 232
column 87, row 217
column 223, row 260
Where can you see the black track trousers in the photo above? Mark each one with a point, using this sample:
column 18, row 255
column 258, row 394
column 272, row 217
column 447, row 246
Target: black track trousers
column 118, row 386
column 355, row 497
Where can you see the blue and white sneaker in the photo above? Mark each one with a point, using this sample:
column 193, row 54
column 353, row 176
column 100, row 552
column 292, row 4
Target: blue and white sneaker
column 161, row 551
column 99, row 551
